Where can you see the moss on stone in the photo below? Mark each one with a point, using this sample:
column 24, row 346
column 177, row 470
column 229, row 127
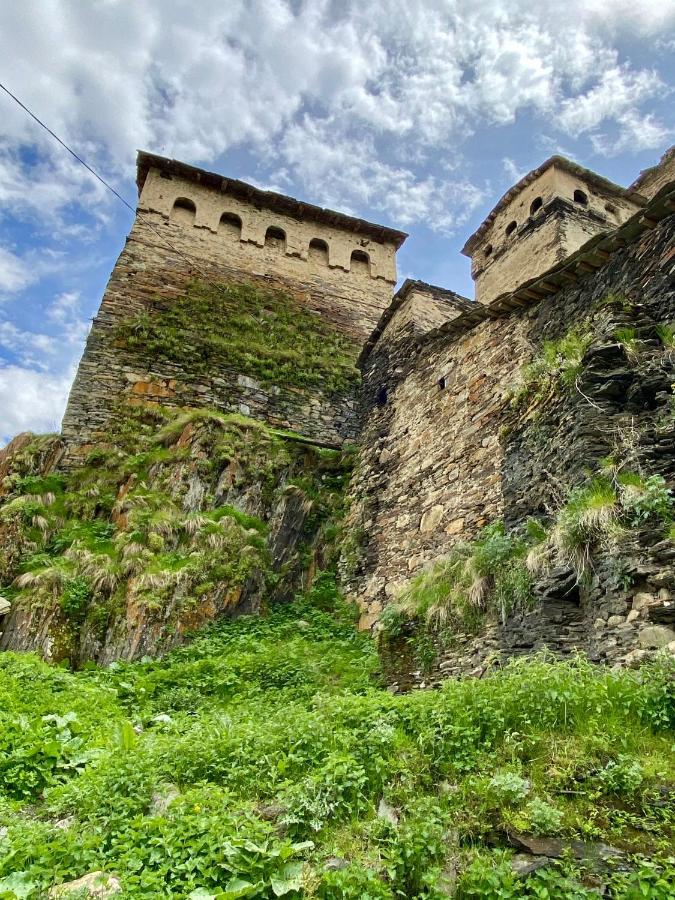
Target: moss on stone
column 265, row 335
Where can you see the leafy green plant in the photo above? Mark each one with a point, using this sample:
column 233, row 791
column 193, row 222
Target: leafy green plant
column 645, row 499
column 543, row 818
column 508, row 787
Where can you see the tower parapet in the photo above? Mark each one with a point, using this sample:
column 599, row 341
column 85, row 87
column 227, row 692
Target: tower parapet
column 542, row 220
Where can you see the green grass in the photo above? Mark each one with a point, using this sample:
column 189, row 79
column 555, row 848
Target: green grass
column 264, row 334
column 456, row 591
column 276, row 742
column 666, row 333
column 557, row 365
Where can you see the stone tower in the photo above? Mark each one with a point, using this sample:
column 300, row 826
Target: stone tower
column 541, row 221
column 197, row 225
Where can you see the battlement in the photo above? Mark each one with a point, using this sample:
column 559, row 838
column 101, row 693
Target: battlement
column 267, row 231
column 542, row 220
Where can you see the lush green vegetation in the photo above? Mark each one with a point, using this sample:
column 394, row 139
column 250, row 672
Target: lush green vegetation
column 495, row 574
column 264, row 334
column 488, row 574
column 558, row 363
column 254, row 762
column 598, row 515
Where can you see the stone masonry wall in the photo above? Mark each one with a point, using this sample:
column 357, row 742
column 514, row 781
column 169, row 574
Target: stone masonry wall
column 167, row 249
column 429, row 470
column 437, row 464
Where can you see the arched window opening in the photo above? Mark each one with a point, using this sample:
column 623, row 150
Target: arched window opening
column 511, row 227
column 318, row 251
column 611, row 209
column 275, row 238
column 580, row 197
column 442, row 383
column 536, row 205
column 360, row 262
column 184, row 211
column 230, row 225
column 488, row 249
column 381, row 398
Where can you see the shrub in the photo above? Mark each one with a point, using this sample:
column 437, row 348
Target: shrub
column 508, row 787
column 542, row 817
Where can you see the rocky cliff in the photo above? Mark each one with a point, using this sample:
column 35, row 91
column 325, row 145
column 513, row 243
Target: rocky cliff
column 175, row 518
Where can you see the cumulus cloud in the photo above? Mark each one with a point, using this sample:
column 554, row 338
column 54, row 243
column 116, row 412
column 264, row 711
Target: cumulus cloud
column 423, row 73
column 15, row 275
column 31, row 400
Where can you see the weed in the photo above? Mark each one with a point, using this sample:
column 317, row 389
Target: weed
column 557, row 364
column 264, row 334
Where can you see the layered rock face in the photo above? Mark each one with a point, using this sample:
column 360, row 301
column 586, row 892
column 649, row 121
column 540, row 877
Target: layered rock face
column 174, row 520
column 482, row 422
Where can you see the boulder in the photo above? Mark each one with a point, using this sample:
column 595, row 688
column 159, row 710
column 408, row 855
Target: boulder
column 656, row 636
column 98, row 885
column 524, row 864
column 554, row 848
column 335, row 863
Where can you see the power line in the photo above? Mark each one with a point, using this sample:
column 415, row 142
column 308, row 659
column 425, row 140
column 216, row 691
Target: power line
column 66, row 147
column 79, row 159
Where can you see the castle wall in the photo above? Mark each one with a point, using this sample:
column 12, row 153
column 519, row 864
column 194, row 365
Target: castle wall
column 437, row 464
column 429, row 471
column 171, row 246
column 365, row 288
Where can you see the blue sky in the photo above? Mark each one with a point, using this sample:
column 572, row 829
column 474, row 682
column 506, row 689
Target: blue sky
column 414, row 113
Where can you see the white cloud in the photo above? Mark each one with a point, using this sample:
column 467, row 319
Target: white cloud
column 347, row 172
column 29, row 347
column 31, row 400
column 15, row 275
column 617, row 92
column 424, row 73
